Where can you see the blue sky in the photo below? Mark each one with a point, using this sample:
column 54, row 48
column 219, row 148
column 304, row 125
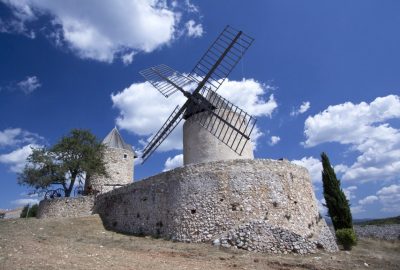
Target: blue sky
column 320, row 76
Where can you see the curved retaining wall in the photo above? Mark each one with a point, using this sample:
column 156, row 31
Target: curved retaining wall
column 66, row 207
column 261, row 205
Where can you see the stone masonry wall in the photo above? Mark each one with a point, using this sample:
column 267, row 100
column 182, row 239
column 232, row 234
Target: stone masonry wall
column 66, row 207
column 262, row 205
column 119, row 165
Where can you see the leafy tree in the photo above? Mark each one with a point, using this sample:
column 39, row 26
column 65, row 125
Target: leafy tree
column 77, row 155
column 29, row 211
column 336, row 201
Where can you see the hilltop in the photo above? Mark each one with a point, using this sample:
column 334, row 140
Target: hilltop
column 83, row 243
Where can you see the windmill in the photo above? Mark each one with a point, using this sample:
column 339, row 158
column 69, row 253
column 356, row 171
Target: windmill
column 224, row 120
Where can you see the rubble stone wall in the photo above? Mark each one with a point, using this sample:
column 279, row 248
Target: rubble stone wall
column 261, row 205
column 66, row 207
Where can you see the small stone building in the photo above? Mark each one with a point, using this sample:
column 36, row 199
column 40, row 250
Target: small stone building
column 119, row 158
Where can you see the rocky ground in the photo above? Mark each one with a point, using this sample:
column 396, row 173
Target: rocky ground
column 384, row 232
column 83, row 243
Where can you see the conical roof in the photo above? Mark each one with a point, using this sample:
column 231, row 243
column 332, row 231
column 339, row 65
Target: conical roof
column 114, row 140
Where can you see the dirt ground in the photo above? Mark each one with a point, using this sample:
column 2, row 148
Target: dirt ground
column 83, row 243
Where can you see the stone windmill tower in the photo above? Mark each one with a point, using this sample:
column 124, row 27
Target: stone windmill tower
column 214, row 129
column 119, row 160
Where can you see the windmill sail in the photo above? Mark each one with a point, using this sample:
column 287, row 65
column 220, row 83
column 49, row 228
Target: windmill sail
column 220, row 58
column 226, row 121
column 165, row 79
column 169, row 125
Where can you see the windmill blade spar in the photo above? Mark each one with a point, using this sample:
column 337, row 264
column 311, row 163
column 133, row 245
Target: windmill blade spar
column 220, row 58
column 166, row 80
column 169, row 125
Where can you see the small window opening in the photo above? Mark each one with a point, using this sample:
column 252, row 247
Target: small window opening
column 125, row 155
column 193, row 211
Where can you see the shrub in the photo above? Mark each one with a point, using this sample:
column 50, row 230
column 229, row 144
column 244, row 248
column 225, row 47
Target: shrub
column 31, row 213
column 347, row 238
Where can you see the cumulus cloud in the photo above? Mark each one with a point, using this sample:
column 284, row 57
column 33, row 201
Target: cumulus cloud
column 17, row 158
column 321, row 207
column 274, row 140
column 103, row 30
column 193, row 29
column 15, row 136
column 173, row 162
column 191, row 7
column 27, row 86
column 22, row 14
column 365, row 128
column 302, row 109
column 390, row 198
column 314, row 167
column 250, row 95
column 349, row 192
column 127, row 58
column 357, row 209
column 30, row 84
column 143, row 110
column 368, row 200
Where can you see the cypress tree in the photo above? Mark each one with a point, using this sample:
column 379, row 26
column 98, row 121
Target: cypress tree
column 336, row 201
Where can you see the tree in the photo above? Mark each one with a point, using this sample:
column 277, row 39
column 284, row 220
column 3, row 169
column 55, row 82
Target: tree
column 78, row 155
column 336, row 201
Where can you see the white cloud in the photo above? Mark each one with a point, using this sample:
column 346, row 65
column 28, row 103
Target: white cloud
column 368, row 200
column 302, row 109
column 194, row 30
column 249, row 95
column 313, row 165
column 17, row 158
column 321, row 208
column 365, row 129
column 30, row 84
column 127, row 58
column 102, row 30
column 274, row 140
column 390, row 198
column 23, row 14
column 9, row 136
column 349, row 192
column 23, row 202
column 15, row 136
column 393, row 189
column 143, row 110
column 173, row 162
column 191, row 7
column 357, row 209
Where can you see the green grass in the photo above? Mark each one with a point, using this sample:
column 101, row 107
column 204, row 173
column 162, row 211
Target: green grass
column 382, row 221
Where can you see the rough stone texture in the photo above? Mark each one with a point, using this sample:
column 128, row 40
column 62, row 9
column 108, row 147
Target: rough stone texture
column 200, row 146
column 66, row 207
column 261, row 205
column 385, row 232
column 119, row 165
